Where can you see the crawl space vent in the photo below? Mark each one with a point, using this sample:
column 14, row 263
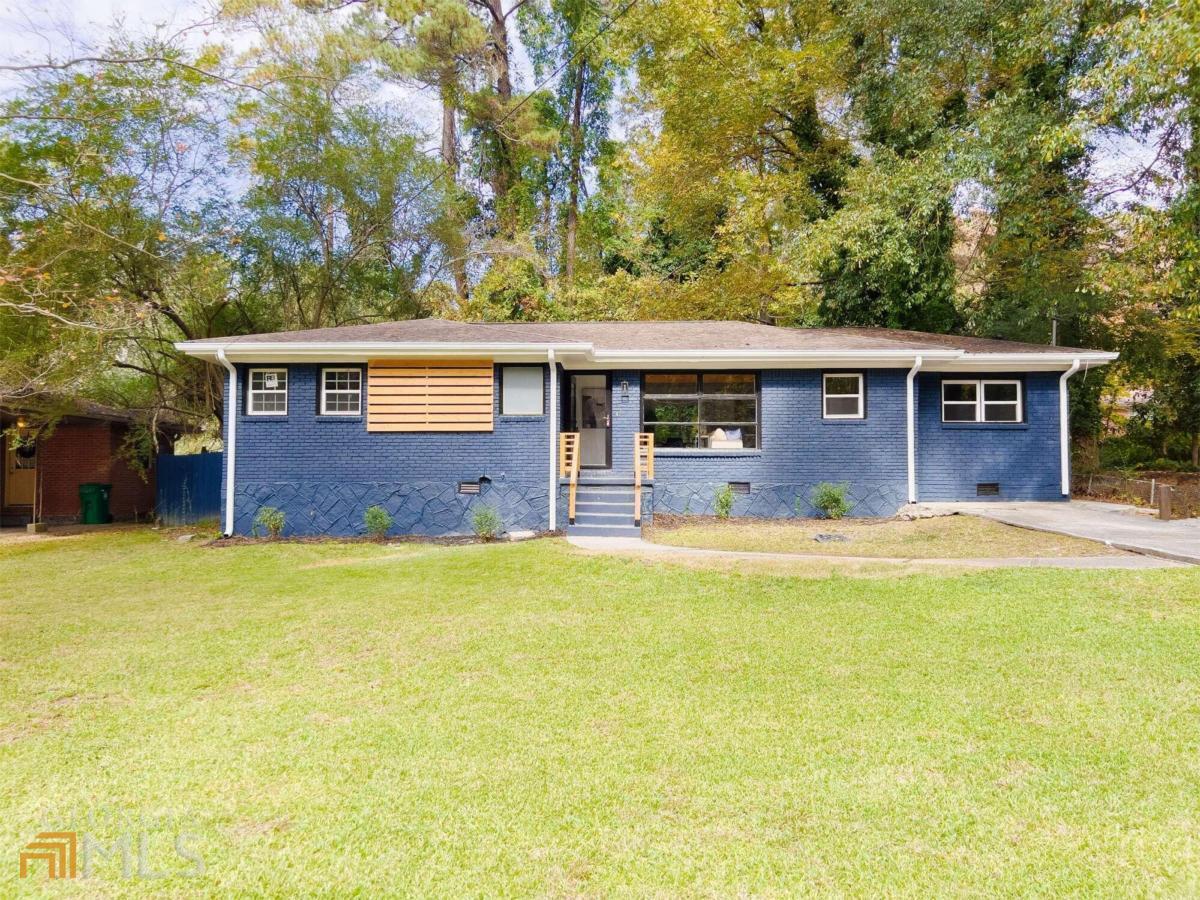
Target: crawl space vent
column 740, row 487
column 987, row 489
column 468, row 487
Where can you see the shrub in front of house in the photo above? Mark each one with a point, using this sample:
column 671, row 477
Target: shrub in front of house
column 486, row 522
column 378, row 522
column 723, row 502
column 830, row 499
column 270, row 520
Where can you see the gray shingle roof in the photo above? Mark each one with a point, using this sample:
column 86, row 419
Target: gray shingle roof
column 707, row 335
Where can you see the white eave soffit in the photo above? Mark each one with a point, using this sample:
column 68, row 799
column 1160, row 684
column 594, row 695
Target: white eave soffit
column 584, row 356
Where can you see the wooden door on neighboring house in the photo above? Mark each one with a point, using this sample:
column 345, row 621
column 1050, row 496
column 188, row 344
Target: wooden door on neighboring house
column 20, row 474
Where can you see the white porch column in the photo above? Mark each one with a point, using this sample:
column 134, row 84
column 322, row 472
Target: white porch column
column 552, row 418
column 911, row 420
column 231, row 414
column 1064, row 430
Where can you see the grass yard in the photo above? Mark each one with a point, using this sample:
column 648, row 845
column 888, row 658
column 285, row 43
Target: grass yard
column 328, row 719
column 949, row 537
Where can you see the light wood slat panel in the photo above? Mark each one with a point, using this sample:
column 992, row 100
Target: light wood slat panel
column 432, row 385
column 466, row 365
column 384, row 381
column 477, row 408
column 430, row 395
column 435, row 390
column 432, row 417
column 434, row 426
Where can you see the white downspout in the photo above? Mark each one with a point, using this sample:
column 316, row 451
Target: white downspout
column 1064, row 430
column 552, row 416
column 230, row 440
column 911, row 417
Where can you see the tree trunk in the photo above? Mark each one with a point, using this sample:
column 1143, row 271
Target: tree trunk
column 576, row 169
column 501, row 179
column 458, row 262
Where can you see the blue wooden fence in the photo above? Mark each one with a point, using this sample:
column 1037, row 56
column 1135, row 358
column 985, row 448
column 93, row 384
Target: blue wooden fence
column 189, row 487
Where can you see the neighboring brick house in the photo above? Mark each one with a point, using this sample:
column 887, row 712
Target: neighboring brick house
column 83, row 446
column 433, row 419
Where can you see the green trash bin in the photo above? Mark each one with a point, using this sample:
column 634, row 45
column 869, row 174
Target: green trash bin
column 93, row 501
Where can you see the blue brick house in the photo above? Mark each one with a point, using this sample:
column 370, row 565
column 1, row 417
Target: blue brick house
column 542, row 422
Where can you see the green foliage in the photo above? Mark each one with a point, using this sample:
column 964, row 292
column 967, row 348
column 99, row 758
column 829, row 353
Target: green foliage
column 723, row 501
column 830, row 499
column 512, row 289
column 270, row 520
column 925, row 165
column 378, row 522
column 487, row 523
column 137, row 450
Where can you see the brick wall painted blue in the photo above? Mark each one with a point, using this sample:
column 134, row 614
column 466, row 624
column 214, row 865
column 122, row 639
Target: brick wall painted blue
column 1023, row 458
column 324, row 471
column 799, row 450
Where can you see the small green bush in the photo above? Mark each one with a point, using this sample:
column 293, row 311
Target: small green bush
column 831, row 500
column 723, row 502
column 270, row 520
column 378, row 522
column 487, row 524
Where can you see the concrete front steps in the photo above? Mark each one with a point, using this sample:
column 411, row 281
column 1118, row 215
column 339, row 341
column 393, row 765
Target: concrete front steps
column 604, row 509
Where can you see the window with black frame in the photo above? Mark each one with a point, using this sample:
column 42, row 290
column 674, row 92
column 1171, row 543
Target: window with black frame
column 701, row 410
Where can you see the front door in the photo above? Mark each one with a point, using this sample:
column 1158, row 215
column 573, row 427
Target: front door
column 20, row 474
column 591, row 416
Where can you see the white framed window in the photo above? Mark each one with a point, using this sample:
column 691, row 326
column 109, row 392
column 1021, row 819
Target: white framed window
column 268, row 392
column 842, row 395
column 521, row 391
column 985, row 400
column 341, row 392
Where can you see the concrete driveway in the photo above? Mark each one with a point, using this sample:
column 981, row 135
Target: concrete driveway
column 1115, row 524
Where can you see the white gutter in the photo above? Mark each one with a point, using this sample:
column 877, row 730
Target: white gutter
column 911, row 414
column 230, row 440
column 552, row 422
column 585, row 354
column 1064, row 431
column 301, row 351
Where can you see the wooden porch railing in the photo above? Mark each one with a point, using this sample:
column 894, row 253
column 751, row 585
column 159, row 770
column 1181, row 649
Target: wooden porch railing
column 568, row 466
column 643, row 467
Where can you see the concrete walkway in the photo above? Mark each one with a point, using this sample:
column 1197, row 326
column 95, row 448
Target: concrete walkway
column 1115, row 524
column 639, row 547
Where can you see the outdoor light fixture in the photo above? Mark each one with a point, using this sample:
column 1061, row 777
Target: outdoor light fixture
column 624, row 390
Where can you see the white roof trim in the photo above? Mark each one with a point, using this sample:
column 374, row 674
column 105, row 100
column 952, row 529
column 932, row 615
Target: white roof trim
column 585, row 355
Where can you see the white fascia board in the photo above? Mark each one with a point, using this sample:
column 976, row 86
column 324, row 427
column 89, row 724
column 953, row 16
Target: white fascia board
column 762, row 359
column 1023, row 362
column 583, row 356
column 361, row 351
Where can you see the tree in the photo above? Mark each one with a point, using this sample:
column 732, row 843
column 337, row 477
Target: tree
column 440, row 44
column 342, row 214
column 111, row 185
column 568, row 36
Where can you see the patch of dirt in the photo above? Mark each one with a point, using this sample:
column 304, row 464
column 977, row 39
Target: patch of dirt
column 250, row 829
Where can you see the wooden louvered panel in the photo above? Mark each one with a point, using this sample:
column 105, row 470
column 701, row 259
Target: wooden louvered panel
column 429, row 395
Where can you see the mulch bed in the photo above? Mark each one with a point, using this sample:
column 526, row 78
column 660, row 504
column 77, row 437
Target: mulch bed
column 671, row 521
column 453, row 540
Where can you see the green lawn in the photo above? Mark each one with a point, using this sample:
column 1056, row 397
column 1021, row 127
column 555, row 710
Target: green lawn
column 952, row 537
column 520, row 720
